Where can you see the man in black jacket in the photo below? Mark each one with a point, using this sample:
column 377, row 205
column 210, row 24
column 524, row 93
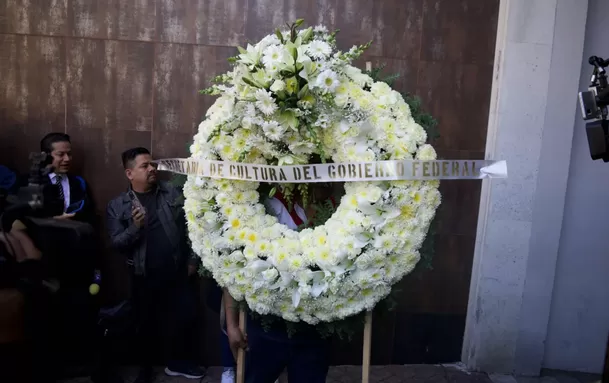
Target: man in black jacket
column 147, row 225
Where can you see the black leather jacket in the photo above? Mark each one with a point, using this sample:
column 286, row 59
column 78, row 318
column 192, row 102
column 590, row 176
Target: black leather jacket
column 129, row 240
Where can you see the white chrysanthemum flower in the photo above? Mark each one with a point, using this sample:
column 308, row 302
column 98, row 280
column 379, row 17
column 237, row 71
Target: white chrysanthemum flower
column 273, row 130
column 274, row 54
column 265, row 102
column 319, row 49
column 327, row 81
column 320, row 29
column 271, row 39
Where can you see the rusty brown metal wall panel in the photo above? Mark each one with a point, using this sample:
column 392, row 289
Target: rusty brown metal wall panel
column 97, row 156
column 44, row 58
column 12, row 101
column 136, row 19
column 459, row 31
column 180, row 72
column 37, row 17
column 113, row 19
column 264, row 15
column 458, row 213
column 204, row 22
column 399, row 24
column 87, row 86
column 93, row 18
column 445, row 288
column 394, row 26
column 458, row 95
column 222, row 22
column 109, row 84
column 177, row 20
column 33, row 95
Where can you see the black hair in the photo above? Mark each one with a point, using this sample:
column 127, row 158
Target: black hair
column 129, row 155
column 46, row 144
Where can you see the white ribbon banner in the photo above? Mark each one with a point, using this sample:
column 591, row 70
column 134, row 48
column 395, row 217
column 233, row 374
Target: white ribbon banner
column 338, row 172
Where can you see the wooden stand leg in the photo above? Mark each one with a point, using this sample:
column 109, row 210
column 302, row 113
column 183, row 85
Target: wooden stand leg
column 241, row 352
column 367, row 341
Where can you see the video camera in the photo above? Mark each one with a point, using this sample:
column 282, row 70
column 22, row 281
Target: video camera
column 593, row 104
column 39, row 198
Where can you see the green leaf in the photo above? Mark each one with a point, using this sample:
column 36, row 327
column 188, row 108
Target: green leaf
column 306, row 35
column 273, row 191
column 291, row 47
column 303, row 91
column 250, row 82
column 391, row 79
column 279, row 35
column 298, row 22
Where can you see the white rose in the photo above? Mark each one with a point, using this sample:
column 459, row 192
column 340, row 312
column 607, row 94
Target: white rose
column 270, row 274
column 278, row 86
column 426, row 153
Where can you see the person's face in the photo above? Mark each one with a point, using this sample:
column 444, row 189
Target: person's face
column 143, row 170
column 62, row 157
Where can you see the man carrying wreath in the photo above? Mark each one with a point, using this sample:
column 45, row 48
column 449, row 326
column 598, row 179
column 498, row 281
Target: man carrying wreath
column 271, row 350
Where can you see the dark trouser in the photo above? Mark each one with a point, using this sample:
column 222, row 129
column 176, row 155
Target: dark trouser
column 165, row 305
column 306, row 357
column 228, row 361
column 214, row 300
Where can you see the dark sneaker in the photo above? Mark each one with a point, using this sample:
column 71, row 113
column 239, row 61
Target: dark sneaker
column 189, row 372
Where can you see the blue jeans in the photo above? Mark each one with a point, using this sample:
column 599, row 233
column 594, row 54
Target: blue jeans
column 304, row 355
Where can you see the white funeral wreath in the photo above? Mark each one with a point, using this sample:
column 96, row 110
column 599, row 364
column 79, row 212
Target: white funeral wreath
column 289, row 98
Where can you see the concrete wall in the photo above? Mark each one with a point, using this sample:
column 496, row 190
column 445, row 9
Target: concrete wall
column 533, row 106
column 579, row 317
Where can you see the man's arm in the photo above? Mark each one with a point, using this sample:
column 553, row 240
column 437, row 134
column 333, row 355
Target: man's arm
column 232, row 320
column 121, row 237
column 236, row 338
